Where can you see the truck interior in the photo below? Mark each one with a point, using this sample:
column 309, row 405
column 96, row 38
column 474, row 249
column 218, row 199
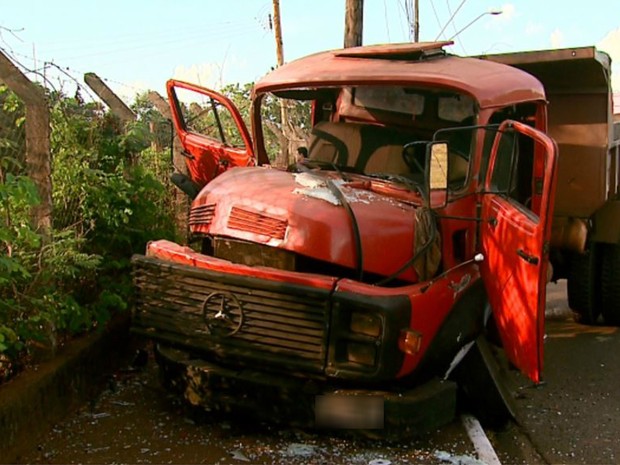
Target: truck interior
column 364, row 128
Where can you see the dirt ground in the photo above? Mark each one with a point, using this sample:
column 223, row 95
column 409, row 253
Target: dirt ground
column 572, row 418
column 136, row 421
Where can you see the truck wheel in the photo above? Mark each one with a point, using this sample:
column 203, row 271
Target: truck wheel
column 611, row 286
column 483, row 388
column 584, row 293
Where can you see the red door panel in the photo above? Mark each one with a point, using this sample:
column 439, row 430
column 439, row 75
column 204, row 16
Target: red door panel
column 211, row 130
column 514, row 241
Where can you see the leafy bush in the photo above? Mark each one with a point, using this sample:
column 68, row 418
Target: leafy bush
column 109, row 199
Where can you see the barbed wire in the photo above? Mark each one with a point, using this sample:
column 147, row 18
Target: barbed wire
column 24, row 68
column 68, row 73
column 13, row 32
column 77, row 83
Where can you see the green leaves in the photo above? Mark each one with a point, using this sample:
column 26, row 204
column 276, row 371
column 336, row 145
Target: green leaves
column 110, row 197
column 17, row 195
column 9, row 340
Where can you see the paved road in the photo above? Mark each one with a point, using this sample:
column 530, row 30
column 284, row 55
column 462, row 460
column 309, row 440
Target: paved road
column 574, row 418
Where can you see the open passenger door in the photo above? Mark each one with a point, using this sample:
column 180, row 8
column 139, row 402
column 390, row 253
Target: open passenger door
column 517, row 210
column 211, row 130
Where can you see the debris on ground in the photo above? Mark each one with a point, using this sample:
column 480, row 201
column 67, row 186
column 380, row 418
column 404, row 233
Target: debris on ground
column 457, row 459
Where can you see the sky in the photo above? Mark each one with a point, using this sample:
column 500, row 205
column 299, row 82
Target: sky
column 136, row 45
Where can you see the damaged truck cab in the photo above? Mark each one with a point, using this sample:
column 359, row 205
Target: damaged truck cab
column 343, row 287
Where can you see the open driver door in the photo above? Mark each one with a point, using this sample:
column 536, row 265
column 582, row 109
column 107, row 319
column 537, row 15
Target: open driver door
column 211, row 130
column 516, row 213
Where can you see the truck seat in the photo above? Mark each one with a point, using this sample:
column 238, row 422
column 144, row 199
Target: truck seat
column 368, row 148
column 338, row 143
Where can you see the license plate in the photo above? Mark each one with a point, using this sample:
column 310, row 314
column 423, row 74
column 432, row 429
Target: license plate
column 349, row 412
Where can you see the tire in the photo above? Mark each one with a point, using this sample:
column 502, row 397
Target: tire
column 483, row 389
column 584, row 285
column 611, row 286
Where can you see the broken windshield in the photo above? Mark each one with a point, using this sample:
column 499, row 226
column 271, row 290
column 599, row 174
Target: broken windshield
column 360, row 129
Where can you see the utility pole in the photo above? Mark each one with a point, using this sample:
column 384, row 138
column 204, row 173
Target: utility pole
column 353, row 23
column 412, row 10
column 416, row 21
column 277, row 29
column 284, row 137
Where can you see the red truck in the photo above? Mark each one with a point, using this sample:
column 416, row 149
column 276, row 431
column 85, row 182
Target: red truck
column 345, row 288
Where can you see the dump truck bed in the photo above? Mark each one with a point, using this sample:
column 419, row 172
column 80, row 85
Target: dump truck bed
column 578, row 87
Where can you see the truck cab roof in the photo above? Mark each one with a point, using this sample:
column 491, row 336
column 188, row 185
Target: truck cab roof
column 409, row 64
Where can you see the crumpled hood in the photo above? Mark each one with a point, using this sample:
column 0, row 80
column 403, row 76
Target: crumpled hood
column 298, row 212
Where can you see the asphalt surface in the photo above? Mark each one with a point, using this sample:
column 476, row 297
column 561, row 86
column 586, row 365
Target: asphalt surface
column 574, row 416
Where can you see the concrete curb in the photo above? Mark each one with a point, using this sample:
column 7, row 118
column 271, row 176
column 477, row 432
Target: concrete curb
column 36, row 399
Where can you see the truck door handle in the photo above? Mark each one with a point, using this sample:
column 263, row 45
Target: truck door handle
column 532, row 260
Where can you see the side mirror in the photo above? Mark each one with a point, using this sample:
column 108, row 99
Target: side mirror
column 437, row 173
column 438, row 166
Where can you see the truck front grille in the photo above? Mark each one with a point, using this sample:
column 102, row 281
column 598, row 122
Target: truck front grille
column 272, row 322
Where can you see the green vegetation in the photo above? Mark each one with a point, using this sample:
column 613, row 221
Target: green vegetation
column 110, row 196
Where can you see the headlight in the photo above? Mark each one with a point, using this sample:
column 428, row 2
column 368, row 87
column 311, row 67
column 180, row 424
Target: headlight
column 368, row 324
column 363, row 335
column 364, row 354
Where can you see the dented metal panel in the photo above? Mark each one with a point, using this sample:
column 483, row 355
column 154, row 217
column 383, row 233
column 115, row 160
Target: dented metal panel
column 298, row 213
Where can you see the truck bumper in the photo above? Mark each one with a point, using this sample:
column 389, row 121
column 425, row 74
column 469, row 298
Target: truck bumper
column 307, row 403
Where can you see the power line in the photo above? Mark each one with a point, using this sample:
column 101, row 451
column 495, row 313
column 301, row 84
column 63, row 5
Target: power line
column 11, row 31
column 237, row 31
column 154, row 38
column 409, row 14
column 159, row 44
column 146, row 47
column 387, row 24
column 402, row 9
column 435, row 13
column 451, row 18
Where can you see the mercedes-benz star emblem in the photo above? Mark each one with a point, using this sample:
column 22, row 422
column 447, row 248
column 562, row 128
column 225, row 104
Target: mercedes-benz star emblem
column 222, row 313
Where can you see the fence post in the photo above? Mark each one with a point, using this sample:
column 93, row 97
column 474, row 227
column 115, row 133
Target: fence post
column 162, row 106
column 181, row 201
column 116, row 105
column 38, row 158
